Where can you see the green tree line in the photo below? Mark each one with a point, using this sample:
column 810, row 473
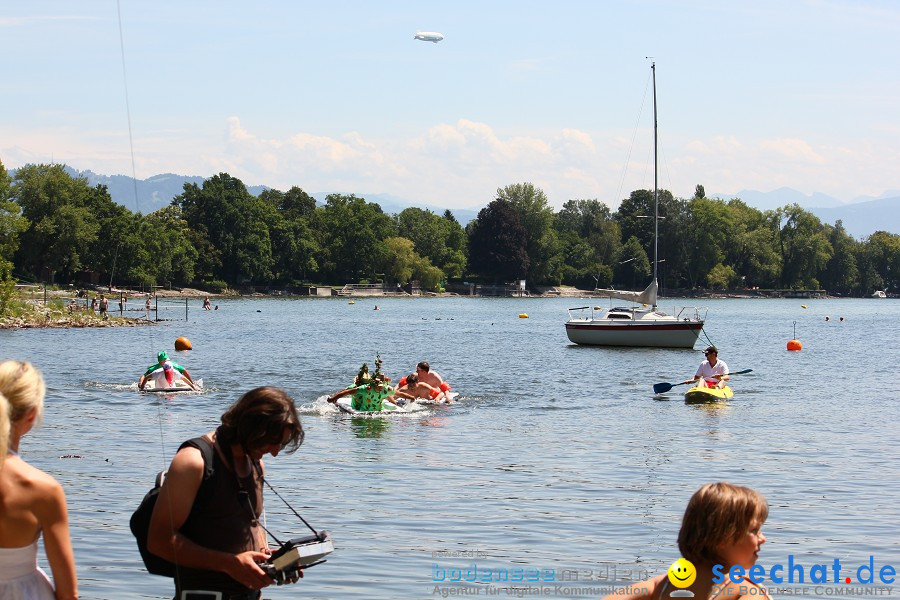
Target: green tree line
column 56, row 228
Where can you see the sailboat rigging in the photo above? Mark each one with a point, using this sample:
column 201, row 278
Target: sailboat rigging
column 644, row 325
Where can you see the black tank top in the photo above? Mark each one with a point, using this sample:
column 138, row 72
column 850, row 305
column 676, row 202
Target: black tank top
column 221, row 519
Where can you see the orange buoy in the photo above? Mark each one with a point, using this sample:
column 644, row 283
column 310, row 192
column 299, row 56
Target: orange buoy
column 794, row 345
column 183, row 343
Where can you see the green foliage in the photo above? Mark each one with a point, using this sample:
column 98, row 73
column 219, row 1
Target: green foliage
column 589, row 242
column 7, row 287
column 355, row 231
column 634, row 268
column 440, row 239
column 720, row 277
column 61, row 224
column 497, row 243
column 841, row 274
column 399, row 260
column 56, row 227
column 230, row 230
column 536, row 217
column 215, row 286
column 805, row 250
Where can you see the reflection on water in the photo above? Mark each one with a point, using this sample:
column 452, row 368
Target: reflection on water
column 556, row 456
column 369, row 426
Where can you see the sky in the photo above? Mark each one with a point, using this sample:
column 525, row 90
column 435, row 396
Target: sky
column 339, row 97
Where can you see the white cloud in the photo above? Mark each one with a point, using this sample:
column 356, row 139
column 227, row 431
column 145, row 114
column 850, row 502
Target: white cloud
column 792, row 149
column 461, row 164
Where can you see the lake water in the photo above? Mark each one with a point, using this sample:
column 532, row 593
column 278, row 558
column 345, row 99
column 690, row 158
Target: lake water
column 556, row 458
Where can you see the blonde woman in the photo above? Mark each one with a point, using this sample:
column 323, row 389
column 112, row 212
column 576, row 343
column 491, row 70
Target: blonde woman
column 722, row 525
column 32, row 503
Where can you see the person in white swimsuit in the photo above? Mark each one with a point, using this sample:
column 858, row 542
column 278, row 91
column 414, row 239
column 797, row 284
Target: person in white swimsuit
column 722, row 525
column 32, row 503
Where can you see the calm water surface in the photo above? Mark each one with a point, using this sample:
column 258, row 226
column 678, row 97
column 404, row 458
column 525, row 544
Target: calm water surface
column 557, row 457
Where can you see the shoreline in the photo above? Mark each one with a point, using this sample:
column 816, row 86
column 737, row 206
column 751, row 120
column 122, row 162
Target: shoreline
column 37, row 315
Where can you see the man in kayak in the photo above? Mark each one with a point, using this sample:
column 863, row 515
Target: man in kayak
column 162, row 358
column 712, row 372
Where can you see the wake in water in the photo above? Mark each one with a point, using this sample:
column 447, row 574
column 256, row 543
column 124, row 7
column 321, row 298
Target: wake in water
column 133, row 387
column 321, row 407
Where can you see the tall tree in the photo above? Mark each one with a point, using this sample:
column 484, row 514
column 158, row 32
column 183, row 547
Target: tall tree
column 355, row 231
column 884, row 252
column 589, row 243
column 841, row 273
column 536, row 217
column 61, row 224
column 804, row 248
column 230, row 224
column 498, row 243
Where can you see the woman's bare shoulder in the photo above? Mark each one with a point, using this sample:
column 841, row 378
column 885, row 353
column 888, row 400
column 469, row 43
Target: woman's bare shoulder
column 28, row 478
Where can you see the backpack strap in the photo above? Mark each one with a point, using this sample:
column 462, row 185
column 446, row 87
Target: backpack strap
column 207, row 451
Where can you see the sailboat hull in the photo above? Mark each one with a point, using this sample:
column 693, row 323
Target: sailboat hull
column 669, row 333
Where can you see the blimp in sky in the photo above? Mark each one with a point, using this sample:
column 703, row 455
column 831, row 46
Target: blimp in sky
column 429, row 36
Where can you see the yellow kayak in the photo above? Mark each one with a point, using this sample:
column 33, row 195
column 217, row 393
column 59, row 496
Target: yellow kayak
column 702, row 395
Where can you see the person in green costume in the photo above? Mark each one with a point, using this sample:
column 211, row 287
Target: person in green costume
column 161, row 358
column 369, row 391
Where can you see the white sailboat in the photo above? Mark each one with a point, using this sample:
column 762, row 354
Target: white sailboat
column 645, row 325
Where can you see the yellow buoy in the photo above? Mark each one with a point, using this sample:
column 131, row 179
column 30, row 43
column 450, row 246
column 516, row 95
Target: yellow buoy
column 802, row 306
column 597, row 308
column 794, row 345
column 351, row 302
column 523, row 315
column 183, row 343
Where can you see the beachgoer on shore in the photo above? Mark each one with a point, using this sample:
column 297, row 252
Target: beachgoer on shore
column 214, row 537
column 32, row 503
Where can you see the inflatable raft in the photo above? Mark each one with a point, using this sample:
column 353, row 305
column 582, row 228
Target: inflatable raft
column 404, row 406
column 178, row 386
column 345, row 405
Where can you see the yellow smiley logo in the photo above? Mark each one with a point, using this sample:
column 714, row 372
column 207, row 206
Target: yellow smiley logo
column 682, row 573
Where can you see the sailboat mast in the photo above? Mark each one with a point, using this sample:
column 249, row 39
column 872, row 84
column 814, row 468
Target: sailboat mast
column 655, row 184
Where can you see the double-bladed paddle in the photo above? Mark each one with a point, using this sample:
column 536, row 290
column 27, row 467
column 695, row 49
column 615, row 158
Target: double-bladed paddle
column 662, row 388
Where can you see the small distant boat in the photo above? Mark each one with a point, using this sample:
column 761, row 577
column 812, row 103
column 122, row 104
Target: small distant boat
column 879, row 294
column 705, row 395
column 644, row 326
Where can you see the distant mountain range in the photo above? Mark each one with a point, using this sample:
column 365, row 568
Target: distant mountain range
column 861, row 217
